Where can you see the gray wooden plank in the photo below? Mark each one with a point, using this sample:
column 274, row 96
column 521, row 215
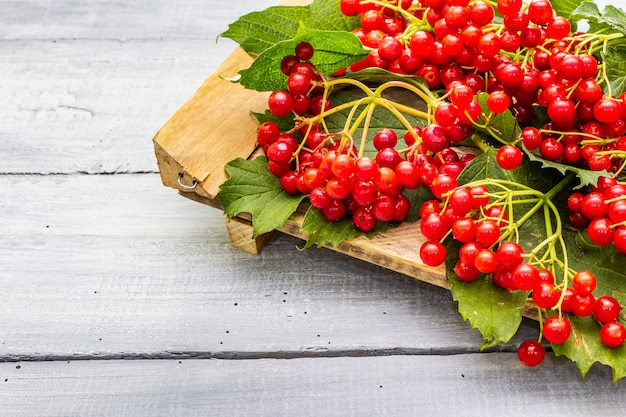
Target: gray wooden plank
column 102, row 19
column 84, row 86
column 93, row 106
column 460, row 385
column 119, row 265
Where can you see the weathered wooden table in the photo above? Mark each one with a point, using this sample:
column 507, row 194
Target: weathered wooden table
column 120, row 298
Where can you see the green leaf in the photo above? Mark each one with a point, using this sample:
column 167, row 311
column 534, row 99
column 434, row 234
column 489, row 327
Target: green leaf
column 495, row 312
column 257, row 31
column 503, row 126
column 615, row 62
column 485, row 166
column 417, row 198
column 284, row 123
column 585, row 176
column 252, row 189
column 322, row 232
column 334, row 50
column 585, row 348
column 611, row 18
column 565, row 7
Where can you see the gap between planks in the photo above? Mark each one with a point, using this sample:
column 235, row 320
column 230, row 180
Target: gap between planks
column 252, row 355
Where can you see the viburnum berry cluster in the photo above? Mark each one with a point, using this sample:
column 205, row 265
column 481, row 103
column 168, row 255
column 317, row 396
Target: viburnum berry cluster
column 330, row 167
column 483, row 218
column 530, row 58
column 527, row 83
column 602, row 212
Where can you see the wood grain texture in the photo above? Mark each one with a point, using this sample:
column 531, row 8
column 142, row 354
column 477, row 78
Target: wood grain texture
column 461, row 385
column 112, row 265
column 85, row 84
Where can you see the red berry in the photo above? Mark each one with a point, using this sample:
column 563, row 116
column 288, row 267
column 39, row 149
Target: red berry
column 390, row 49
column 304, row 51
column 584, row 282
column 545, row 295
column 531, row 353
column 540, row 11
column 613, row 334
column 432, row 253
column 557, row 329
column 498, row 102
column 280, row 102
column 509, row 7
column 509, row 157
column 509, row 254
column 364, row 220
column 606, row 309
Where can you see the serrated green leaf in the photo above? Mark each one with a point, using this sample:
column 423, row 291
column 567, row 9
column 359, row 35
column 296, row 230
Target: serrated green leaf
column 252, row 189
column 503, row 126
column 611, row 18
column 322, row 232
column 334, row 50
column 615, row 62
column 284, row 123
column 257, row 31
column 495, row 312
column 485, row 166
column 564, row 7
column 585, row 176
column 585, row 348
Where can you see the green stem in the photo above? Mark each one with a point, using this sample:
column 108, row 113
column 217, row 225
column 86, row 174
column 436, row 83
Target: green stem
column 425, row 95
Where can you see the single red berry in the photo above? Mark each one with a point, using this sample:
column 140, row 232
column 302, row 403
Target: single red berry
column 613, row 334
column 509, row 157
column 584, row 282
column 557, row 329
column 509, row 254
column 525, row 277
column 582, row 305
column 486, row 261
column 545, row 295
column 432, row 253
column 364, row 220
column 606, row 309
column 304, row 51
column 540, row 11
column 466, row 272
column 280, row 102
column 509, row 7
column 600, row 231
column 498, row 102
column 531, row 353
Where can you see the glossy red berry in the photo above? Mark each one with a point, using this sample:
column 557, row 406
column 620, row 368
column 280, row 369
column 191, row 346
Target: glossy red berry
column 531, row 353
column 557, row 329
column 509, row 157
column 432, row 253
column 613, row 334
column 606, row 309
